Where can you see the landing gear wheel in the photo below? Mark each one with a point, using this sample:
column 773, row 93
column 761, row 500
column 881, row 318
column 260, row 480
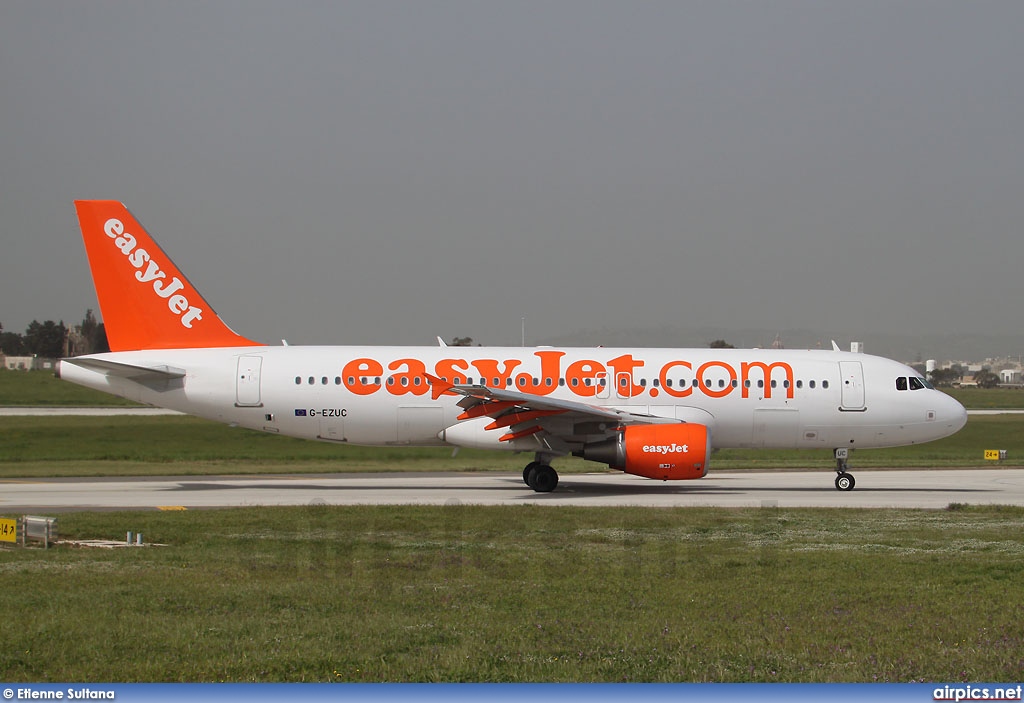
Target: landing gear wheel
column 526, row 472
column 543, row 479
column 845, row 482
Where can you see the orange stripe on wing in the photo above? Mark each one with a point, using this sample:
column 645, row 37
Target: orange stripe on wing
column 515, row 418
column 521, row 433
column 487, row 408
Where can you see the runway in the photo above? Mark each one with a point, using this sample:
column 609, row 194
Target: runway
column 875, row 489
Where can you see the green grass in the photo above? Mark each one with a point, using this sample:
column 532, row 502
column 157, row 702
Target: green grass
column 180, row 445
column 989, row 398
column 177, row 445
column 42, row 388
column 463, row 593
column 460, row 593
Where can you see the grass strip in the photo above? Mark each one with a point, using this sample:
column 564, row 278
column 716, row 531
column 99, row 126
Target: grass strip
column 462, row 593
column 43, row 389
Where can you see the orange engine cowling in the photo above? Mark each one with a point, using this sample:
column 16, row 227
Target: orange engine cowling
column 666, row 452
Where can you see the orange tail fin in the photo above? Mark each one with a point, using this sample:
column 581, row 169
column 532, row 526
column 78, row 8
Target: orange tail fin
column 146, row 302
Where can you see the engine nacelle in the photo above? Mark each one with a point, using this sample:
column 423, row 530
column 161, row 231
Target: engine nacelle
column 666, row 452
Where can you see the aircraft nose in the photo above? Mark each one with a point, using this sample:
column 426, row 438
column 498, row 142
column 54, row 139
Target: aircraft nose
column 953, row 414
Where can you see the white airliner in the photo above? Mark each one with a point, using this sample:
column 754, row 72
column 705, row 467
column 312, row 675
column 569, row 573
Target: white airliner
column 649, row 412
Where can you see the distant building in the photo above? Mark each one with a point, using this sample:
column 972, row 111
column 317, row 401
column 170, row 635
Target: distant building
column 18, row 363
column 1011, row 376
column 28, row 363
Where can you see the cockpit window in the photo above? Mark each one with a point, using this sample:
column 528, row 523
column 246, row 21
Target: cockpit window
column 915, row 383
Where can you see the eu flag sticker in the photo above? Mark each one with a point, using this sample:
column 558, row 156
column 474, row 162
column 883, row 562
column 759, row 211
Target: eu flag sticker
column 300, row 412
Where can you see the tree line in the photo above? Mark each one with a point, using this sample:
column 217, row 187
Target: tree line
column 54, row 340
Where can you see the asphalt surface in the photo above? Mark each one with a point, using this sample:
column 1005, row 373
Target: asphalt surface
column 875, row 489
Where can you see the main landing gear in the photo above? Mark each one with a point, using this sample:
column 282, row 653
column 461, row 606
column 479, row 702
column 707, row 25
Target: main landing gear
column 844, row 481
column 539, row 475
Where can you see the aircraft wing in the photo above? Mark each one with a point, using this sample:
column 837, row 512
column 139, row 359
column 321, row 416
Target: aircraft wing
column 524, row 414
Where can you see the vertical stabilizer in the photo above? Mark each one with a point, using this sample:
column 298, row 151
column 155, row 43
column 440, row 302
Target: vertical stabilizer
column 145, row 300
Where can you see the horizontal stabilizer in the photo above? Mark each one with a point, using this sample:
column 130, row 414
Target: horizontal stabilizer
column 129, row 371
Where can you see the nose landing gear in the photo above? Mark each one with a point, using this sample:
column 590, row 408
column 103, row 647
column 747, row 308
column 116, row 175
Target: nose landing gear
column 845, row 480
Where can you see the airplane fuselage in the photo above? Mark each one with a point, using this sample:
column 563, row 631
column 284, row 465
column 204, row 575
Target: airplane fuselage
column 381, row 396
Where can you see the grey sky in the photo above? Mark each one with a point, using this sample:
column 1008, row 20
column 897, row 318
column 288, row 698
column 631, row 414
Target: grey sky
column 383, row 172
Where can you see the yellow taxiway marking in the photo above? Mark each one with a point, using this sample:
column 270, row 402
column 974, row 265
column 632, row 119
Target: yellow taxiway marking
column 171, row 507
